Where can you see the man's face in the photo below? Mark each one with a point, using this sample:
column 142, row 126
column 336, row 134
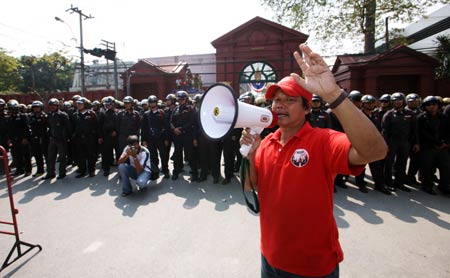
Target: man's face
column 316, row 104
column 369, row 105
column 413, row 104
column 152, row 105
column 80, row 106
column 432, row 108
column 128, row 105
column 36, row 109
column 398, row 103
column 182, row 101
column 53, row 108
column 385, row 103
column 290, row 110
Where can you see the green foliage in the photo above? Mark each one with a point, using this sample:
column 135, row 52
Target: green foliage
column 443, row 56
column 49, row 73
column 10, row 78
column 331, row 21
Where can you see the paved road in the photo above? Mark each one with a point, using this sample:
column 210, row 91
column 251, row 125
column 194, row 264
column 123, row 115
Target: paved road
column 178, row 229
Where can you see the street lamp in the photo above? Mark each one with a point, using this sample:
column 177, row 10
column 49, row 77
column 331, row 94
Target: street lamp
column 83, row 86
column 70, row 28
column 130, row 73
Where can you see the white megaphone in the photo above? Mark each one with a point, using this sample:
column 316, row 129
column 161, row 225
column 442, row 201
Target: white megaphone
column 220, row 113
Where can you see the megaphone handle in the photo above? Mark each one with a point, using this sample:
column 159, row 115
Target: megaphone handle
column 246, row 148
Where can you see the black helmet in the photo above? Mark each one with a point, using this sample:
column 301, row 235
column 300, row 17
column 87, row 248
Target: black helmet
column 75, row 97
column 430, row 99
column 412, row 97
column 316, row 98
column 182, row 95
column 171, row 97
column 368, row 99
column 2, row 101
column 198, row 98
column 37, row 103
column 153, row 99
column 82, row 100
column 355, row 95
column 128, row 99
column 385, row 98
column 95, row 103
column 53, row 101
column 108, row 100
column 398, row 96
column 67, row 104
column 12, row 103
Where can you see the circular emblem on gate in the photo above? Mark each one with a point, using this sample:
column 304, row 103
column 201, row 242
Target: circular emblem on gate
column 300, row 158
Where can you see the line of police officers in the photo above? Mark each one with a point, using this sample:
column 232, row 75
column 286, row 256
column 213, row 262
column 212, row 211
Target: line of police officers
column 414, row 129
column 78, row 132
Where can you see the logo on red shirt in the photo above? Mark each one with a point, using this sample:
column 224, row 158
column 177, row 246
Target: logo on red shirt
column 300, row 158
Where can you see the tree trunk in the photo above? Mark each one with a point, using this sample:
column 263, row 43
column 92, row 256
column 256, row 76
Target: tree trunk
column 369, row 26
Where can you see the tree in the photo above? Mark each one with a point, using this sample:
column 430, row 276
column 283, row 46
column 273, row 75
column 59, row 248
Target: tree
column 355, row 20
column 49, row 73
column 10, row 78
column 443, row 56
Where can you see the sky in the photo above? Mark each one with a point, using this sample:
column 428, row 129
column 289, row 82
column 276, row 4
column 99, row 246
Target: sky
column 140, row 29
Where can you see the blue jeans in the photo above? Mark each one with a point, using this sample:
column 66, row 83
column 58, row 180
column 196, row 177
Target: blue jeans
column 126, row 171
column 268, row 271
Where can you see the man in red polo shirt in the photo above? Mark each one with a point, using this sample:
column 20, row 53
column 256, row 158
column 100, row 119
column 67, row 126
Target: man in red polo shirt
column 294, row 169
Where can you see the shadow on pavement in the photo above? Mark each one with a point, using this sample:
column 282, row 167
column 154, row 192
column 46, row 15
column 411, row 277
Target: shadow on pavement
column 405, row 206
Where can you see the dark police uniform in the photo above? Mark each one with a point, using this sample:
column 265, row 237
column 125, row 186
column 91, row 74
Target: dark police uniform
column 153, row 130
column 85, row 138
column 319, row 118
column 414, row 157
column 59, row 132
column 19, row 134
column 128, row 123
column 39, row 139
column 400, row 132
column 3, row 129
column 433, row 133
column 108, row 133
column 183, row 117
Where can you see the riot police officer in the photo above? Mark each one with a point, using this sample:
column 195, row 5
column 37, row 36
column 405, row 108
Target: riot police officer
column 181, row 123
column 107, row 133
column 434, row 138
column 3, row 129
column 19, row 135
column 376, row 167
column 153, row 129
column 355, row 97
column 400, row 132
column 208, row 152
column 318, row 117
column 85, row 138
column 39, row 135
column 128, row 122
column 171, row 104
column 413, row 105
column 385, row 105
column 59, row 132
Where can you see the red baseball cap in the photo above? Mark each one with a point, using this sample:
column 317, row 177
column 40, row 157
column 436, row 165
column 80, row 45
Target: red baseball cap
column 290, row 87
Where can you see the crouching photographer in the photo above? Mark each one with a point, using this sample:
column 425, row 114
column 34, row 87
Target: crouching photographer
column 134, row 163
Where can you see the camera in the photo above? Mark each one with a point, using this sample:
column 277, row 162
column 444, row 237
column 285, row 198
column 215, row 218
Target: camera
column 133, row 149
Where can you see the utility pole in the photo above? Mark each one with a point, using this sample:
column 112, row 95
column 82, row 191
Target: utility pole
column 116, row 81
column 387, row 33
column 78, row 11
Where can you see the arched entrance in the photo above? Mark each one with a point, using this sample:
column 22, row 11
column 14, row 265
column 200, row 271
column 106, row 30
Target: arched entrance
column 255, row 77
